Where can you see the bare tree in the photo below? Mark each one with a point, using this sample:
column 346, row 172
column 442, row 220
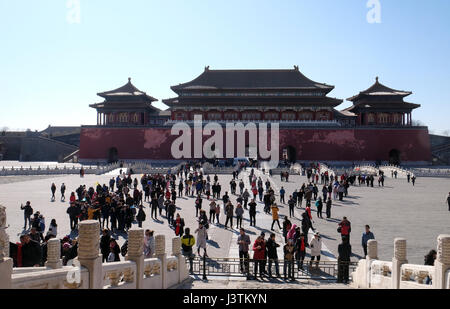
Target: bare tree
column 418, row 123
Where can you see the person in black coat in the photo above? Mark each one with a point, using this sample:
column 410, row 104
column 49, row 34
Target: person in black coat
column 129, row 217
column 141, row 215
column 328, row 207
column 345, row 251
column 31, row 252
column 306, row 225
column 73, row 211
column 271, row 247
column 104, row 245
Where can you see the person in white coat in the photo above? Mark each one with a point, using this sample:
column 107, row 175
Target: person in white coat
column 202, row 236
column 316, row 247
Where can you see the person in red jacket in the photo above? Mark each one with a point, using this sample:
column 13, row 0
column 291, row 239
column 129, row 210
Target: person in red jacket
column 345, row 228
column 255, row 192
column 259, row 255
column 308, row 210
column 72, row 197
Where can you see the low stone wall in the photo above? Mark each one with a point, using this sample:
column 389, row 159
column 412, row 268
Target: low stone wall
column 46, row 170
column 88, row 272
column 398, row 274
column 51, row 279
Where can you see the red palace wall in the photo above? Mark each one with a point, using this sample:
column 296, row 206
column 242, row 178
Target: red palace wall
column 311, row 144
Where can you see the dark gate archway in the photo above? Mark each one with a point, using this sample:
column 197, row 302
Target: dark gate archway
column 394, row 157
column 113, row 155
column 290, row 154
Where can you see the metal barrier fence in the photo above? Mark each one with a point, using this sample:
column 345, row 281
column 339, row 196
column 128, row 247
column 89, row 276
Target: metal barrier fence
column 231, row 267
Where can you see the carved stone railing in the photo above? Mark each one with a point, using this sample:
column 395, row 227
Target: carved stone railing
column 325, row 168
column 55, row 170
column 365, row 169
column 88, row 271
column 398, row 274
column 382, row 268
column 381, row 274
column 414, row 276
column 119, row 275
column 152, row 274
column 26, row 270
column 431, row 172
column 401, row 172
column 51, row 279
column 152, row 268
column 172, row 271
column 208, row 168
column 172, row 263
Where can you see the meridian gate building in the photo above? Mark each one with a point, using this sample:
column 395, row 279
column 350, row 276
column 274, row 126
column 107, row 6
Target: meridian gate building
column 378, row 127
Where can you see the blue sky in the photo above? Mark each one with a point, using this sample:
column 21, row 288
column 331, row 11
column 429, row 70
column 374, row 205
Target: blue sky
column 51, row 70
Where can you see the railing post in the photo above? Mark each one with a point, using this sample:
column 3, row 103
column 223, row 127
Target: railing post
column 442, row 262
column 136, row 253
column 54, row 254
column 372, row 254
column 88, row 251
column 176, row 251
column 6, row 263
column 398, row 260
column 160, row 252
column 204, row 268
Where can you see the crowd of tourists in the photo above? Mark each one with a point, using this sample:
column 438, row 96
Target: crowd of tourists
column 125, row 199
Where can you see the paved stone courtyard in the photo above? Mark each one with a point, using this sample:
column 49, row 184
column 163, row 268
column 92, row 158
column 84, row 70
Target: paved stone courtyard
column 418, row 213
column 238, row 283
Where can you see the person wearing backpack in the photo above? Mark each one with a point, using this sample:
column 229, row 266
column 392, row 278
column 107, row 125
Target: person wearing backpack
column 27, row 212
column 187, row 242
column 140, row 215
